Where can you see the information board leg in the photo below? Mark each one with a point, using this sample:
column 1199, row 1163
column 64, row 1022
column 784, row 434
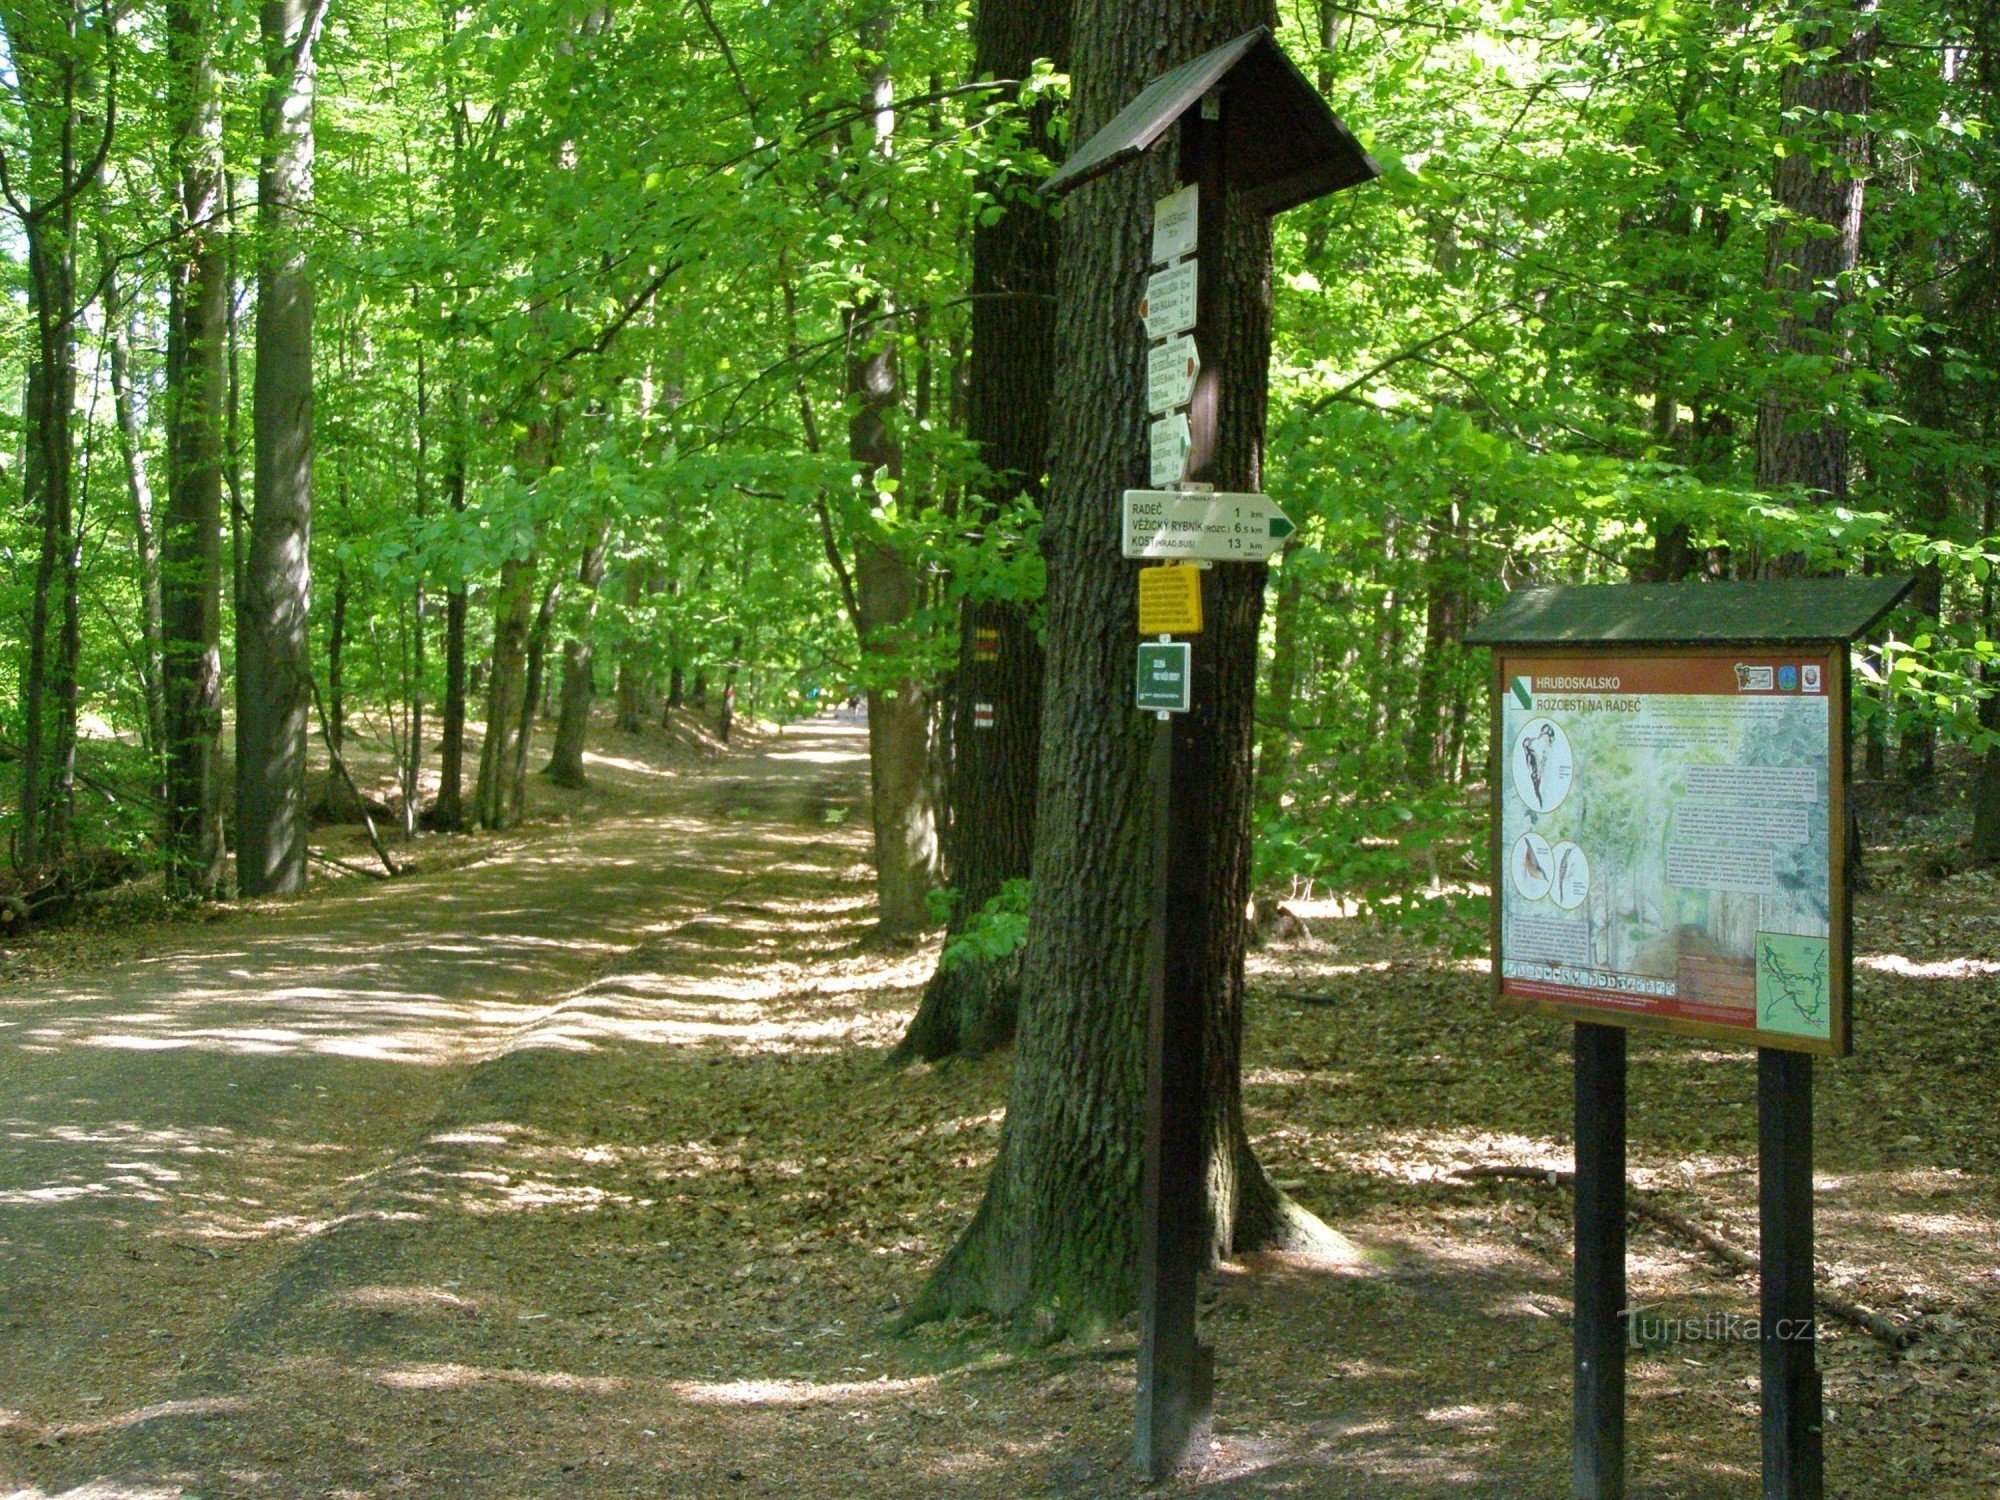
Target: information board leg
column 1175, row 1371
column 1597, row 1454
column 1794, row 1444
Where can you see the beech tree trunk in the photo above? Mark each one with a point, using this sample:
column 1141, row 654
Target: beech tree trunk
column 191, row 535
column 579, row 685
column 273, row 647
column 1274, row 743
column 1055, row 1238
column 971, row 1006
column 1814, row 243
column 630, row 678
column 139, row 493
column 449, row 813
column 499, row 795
column 885, row 595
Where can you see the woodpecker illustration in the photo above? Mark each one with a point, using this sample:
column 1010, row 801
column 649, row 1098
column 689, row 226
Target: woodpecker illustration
column 1562, row 870
column 1535, row 750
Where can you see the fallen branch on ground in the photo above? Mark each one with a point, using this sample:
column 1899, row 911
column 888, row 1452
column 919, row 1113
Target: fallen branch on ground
column 340, row 765
column 341, row 864
column 1641, row 1206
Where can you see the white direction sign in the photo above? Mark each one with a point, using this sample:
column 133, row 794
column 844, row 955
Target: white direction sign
column 1169, row 305
column 1217, row 527
column 1170, row 443
column 1170, row 371
column 1176, row 217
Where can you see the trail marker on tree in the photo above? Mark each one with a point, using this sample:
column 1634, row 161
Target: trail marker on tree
column 1704, row 728
column 1252, row 133
column 1210, row 527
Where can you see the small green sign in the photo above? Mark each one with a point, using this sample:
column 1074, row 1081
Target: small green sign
column 1792, row 985
column 1163, row 676
column 1524, row 692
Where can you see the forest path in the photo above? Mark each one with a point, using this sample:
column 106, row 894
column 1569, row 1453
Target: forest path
column 181, row 1133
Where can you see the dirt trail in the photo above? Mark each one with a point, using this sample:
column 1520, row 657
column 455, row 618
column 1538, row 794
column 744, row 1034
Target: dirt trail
column 184, row 1137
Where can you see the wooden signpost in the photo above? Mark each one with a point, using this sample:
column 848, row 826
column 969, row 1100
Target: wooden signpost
column 1252, row 131
column 1669, row 852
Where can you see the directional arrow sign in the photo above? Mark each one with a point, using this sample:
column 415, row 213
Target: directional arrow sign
column 1170, row 371
column 1215, row 528
column 1169, row 305
column 1167, row 446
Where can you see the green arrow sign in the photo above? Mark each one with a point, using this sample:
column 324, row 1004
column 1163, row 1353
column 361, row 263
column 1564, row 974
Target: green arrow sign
column 1219, row 527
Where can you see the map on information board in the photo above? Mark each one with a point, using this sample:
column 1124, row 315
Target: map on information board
column 1665, row 838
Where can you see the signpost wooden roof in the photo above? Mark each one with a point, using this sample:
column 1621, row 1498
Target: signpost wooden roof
column 1284, row 146
column 1779, row 612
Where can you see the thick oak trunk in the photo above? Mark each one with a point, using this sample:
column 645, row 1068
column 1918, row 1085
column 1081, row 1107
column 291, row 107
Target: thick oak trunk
column 273, row 649
column 970, row 1006
column 1055, row 1237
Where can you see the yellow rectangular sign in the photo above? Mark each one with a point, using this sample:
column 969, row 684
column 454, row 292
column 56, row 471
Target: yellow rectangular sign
column 1170, row 600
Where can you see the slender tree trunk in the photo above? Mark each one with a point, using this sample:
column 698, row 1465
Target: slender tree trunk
column 579, row 685
column 1055, row 1237
column 886, row 595
column 498, row 795
column 413, row 752
column 47, row 478
column 273, row 649
column 493, row 802
column 118, row 318
column 533, row 705
column 336, row 664
column 1440, row 634
column 1815, row 241
column 191, row 536
column 1274, row 745
column 996, row 695
column 630, row 678
column 450, row 811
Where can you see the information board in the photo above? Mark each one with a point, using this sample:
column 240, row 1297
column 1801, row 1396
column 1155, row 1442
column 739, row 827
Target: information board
column 1669, row 846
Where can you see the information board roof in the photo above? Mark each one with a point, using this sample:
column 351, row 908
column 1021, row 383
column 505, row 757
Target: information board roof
column 1285, row 146
column 1680, row 614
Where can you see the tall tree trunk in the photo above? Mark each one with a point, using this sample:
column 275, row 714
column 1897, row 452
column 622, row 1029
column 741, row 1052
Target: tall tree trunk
column 273, row 649
column 1815, row 240
column 637, row 572
column 191, row 536
column 971, row 1005
column 533, row 694
column 887, row 592
column 336, row 664
column 449, row 814
column 46, row 482
column 498, row 795
column 493, row 802
column 579, row 685
column 118, row 321
column 1274, row 745
column 1055, row 1237
column 413, row 751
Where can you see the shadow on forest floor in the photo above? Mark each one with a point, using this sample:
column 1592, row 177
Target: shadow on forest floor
column 631, row 1209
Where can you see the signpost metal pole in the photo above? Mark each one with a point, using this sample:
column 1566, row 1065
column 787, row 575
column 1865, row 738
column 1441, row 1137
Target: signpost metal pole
column 1794, row 1445
column 1597, row 1448
column 1175, row 1368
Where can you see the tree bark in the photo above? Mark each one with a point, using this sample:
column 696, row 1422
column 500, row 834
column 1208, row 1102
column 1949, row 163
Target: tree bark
column 1274, row 745
column 1055, row 1238
column 191, row 536
column 971, row 1005
column 1815, row 240
column 579, row 685
column 139, row 492
column 449, row 814
column 630, row 678
column 886, row 596
column 499, row 794
column 273, row 648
